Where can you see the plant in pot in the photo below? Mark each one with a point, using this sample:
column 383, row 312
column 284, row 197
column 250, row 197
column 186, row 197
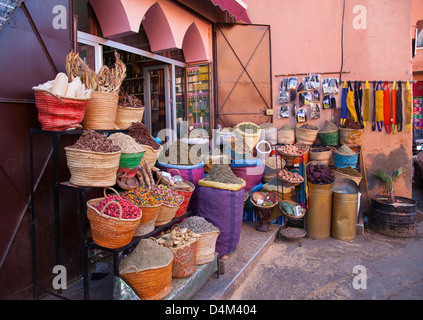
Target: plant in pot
column 390, row 214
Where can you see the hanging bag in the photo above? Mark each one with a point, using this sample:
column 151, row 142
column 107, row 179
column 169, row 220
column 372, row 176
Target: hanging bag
column 399, row 107
column 379, row 106
column 350, row 102
column 408, row 107
column 366, row 113
column 387, row 107
column 358, row 99
column 344, row 108
column 394, row 107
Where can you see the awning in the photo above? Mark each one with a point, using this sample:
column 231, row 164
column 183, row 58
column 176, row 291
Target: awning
column 235, row 8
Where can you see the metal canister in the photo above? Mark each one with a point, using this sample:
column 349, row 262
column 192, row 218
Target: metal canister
column 318, row 215
column 344, row 210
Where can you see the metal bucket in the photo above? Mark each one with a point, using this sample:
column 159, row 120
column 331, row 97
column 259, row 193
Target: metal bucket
column 344, row 209
column 318, row 216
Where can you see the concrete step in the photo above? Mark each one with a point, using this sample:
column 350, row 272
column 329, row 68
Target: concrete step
column 238, row 265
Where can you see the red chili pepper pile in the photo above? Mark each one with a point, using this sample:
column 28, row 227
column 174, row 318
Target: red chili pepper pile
column 129, row 210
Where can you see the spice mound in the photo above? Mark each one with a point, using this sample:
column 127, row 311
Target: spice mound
column 351, row 124
column 348, row 171
column 168, row 196
column 198, row 224
column 147, row 255
column 129, row 100
column 248, row 127
column 329, row 126
column 142, row 135
column 126, row 143
column 129, row 210
column 286, row 127
column 143, row 196
column 222, row 173
column 309, row 127
column 319, row 174
column 177, row 237
column 96, row 142
column 345, row 151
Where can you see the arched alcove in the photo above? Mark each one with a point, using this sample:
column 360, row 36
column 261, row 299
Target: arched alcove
column 193, row 46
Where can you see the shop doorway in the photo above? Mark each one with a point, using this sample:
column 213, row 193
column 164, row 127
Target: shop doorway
column 156, row 98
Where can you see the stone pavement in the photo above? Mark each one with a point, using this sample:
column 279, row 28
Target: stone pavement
column 324, row 269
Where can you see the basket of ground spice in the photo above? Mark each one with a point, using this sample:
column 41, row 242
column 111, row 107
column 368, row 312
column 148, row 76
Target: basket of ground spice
column 272, row 166
column 269, row 132
column 221, row 176
column 113, row 220
column 248, row 132
column 322, row 154
column 149, row 201
column 351, row 133
column 345, row 157
column 349, row 173
column 93, row 160
column 286, row 135
column 329, row 134
column 171, row 200
column 148, row 270
column 131, row 155
column 143, row 137
column 208, row 235
column 306, row 133
column 183, row 243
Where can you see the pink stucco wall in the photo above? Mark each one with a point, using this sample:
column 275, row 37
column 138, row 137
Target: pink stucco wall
column 306, row 37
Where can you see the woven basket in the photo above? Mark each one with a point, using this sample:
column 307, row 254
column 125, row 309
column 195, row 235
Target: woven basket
column 187, row 197
column 351, row 137
column 207, row 246
column 148, row 219
column 305, row 136
column 286, row 136
column 150, row 284
column 130, row 160
column 185, row 259
column 151, row 155
column 110, row 232
column 59, row 113
column 330, row 138
column 92, row 169
column 250, row 139
column 125, row 116
column 167, row 213
column 101, row 111
column 323, row 157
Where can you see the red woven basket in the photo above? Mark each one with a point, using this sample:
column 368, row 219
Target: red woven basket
column 59, row 113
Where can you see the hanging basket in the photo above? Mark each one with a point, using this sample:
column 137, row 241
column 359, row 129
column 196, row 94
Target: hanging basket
column 57, row 113
column 150, row 284
column 92, row 169
column 101, row 111
column 125, row 116
column 110, row 232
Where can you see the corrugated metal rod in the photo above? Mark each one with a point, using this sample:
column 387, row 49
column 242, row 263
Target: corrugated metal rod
column 308, row 73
